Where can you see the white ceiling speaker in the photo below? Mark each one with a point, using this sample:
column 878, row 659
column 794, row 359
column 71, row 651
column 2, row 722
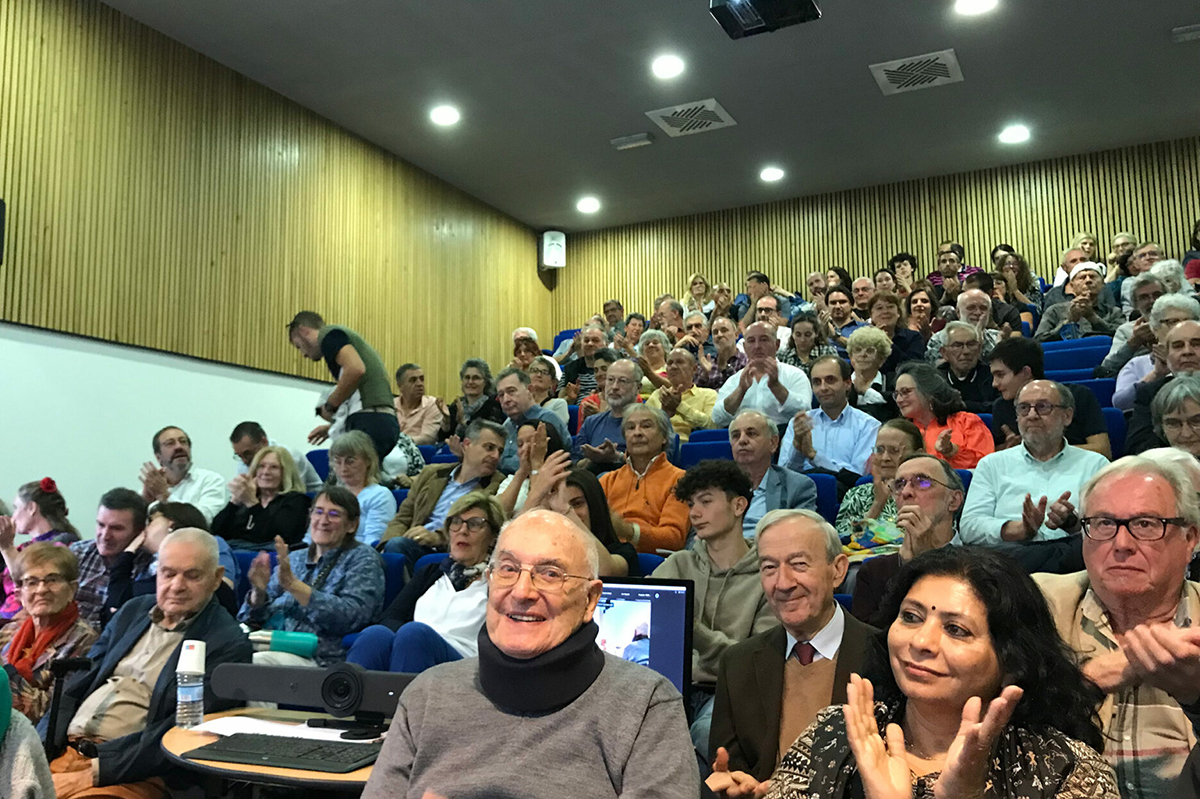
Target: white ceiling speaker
column 553, row 250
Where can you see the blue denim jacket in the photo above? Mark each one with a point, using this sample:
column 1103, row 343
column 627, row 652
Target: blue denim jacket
column 350, row 599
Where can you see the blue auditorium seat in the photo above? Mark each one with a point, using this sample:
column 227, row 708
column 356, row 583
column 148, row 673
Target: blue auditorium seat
column 1074, row 358
column 711, row 434
column 1069, row 375
column 827, row 499
column 399, row 494
column 562, row 336
column 692, row 453
column 1089, row 342
column 572, row 419
column 844, row 600
column 1115, row 421
column 393, row 576
column 1103, row 388
column 427, row 452
column 425, row 560
column 649, row 562
column 319, row 458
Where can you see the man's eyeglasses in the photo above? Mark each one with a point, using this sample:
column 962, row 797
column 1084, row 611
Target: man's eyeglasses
column 544, row 578
column 1174, row 425
column 51, row 581
column 922, row 482
column 1043, row 408
column 617, row 381
column 474, row 524
column 1143, row 528
column 959, row 346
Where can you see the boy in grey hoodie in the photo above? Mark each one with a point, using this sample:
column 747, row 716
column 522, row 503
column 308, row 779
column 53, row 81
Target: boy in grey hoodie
column 729, row 602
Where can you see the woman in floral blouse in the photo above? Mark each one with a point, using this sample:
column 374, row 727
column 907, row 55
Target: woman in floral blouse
column 871, row 505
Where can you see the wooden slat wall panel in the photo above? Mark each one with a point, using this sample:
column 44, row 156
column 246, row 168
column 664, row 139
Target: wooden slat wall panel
column 1151, row 190
column 157, row 198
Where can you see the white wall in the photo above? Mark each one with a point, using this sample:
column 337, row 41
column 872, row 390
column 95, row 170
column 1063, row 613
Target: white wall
column 84, row 412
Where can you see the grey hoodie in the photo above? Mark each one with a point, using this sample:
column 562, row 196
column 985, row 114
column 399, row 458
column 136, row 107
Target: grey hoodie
column 729, row 605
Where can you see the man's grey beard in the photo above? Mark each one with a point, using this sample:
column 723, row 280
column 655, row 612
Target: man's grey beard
column 177, row 470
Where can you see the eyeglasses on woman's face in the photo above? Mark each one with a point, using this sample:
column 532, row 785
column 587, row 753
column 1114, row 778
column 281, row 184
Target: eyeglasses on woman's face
column 474, row 524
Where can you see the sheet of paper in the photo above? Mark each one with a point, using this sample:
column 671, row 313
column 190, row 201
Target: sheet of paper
column 229, row 725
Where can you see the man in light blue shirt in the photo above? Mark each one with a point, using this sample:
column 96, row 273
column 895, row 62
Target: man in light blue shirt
column 834, row 438
column 516, row 400
column 1028, row 492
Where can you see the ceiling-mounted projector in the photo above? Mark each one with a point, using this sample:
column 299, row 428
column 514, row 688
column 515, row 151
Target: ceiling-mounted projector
column 742, row 18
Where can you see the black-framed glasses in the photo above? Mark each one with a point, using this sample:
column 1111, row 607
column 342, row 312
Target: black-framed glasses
column 545, row 577
column 474, row 524
column 1042, row 407
column 922, row 482
column 51, row 581
column 1143, row 528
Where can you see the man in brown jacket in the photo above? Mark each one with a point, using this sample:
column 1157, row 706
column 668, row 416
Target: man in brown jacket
column 416, row 529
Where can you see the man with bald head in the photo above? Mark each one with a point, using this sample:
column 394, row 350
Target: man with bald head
column 778, row 390
column 1130, row 616
column 542, row 707
column 1029, row 492
column 688, row 407
column 115, row 714
column 863, row 289
column 1181, row 355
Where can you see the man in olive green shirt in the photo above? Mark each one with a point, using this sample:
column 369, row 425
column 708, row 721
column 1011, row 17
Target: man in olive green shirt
column 356, row 367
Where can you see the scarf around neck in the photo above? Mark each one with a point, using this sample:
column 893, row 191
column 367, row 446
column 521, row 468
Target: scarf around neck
column 27, row 645
column 545, row 683
column 460, row 576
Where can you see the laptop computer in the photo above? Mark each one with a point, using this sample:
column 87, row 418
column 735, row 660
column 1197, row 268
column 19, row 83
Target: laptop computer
column 649, row 621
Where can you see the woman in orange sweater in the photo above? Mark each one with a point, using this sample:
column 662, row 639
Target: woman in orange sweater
column 950, row 432
column 641, row 494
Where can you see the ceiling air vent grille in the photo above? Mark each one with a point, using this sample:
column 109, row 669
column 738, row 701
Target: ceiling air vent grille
column 918, row 72
column 700, row 116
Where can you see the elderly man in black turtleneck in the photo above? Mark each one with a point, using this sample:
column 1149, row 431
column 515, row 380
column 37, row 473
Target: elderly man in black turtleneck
column 543, row 711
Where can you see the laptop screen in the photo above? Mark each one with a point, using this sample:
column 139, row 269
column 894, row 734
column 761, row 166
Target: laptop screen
column 649, row 621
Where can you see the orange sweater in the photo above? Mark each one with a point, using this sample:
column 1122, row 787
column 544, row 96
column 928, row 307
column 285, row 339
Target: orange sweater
column 650, row 503
column 968, row 432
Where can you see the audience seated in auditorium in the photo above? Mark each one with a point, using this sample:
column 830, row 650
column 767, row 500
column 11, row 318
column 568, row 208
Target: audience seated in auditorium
column 652, row 360
column 1170, row 273
column 525, row 349
column 871, row 507
column 1135, row 338
column 867, row 350
column 837, row 276
column 766, row 309
column 540, row 684
column 1143, row 259
column 947, row 278
column 887, row 314
column 40, row 512
column 1168, row 311
column 1002, row 317
column 120, row 519
column 771, row 686
column 1071, row 258
column 249, row 437
column 1029, row 492
column 921, row 307
column 23, row 767
column 690, row 408
column 841, row 322
column 863, row 289
column 614, row 317
column 176, row 479
column 834, row 437
column 437, row 615
column 758, row 285
column 1130, row 604
column 973, row 309
column 404, row 462
column 964, row 369
column 903, row 267
column 885, row 280
column 715, row 370
column 353, row 465
column 128, row 578
column 776, row 389
column 729, row 605
column 699, row 295
column 417, row 528
column 1176, row 414
column 641, row 492
column 806, row 343
column 421, row 416
column 1084, row 315
column 928, row 494
column 976, row 615
column 1182, row 356
column 517, row 401
column 543, row 386
column 1021, row 286
column 116, row 713
column 626, row 341
column 595, row 403
column 754, row 439
column 600, row 440
column 950, row 431
column 357, row 367
column 332, row 587
column 478, row 400
column 695, row 338
column 535, row 442
column 670, row 316
column 49, row 629
column 578, row 377
column 265, row 502
column 1016, row 362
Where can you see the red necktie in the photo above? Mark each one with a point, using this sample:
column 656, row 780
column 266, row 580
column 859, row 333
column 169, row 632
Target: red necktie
column 804, row 652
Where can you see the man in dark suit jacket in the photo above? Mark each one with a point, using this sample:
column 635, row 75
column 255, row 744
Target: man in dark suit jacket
column 748, row 711
column 115, row 739
column 754, row 439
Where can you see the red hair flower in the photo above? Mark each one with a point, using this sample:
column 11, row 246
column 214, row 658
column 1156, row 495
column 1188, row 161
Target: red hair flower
column 47, row 485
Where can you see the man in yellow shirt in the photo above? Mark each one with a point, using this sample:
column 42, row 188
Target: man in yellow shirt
column 689, row 407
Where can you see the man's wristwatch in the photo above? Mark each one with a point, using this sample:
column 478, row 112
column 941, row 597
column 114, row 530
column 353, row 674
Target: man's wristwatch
column 332, row 409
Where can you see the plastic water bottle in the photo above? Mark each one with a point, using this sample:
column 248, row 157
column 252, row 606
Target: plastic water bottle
column 189, row 679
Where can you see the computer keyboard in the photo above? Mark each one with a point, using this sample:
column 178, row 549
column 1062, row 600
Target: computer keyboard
column 295, row 753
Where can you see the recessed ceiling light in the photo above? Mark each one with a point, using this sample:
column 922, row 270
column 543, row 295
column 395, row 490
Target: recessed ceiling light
column 771, row 174
column 969, row 8
column 444, row 115
column 1014, row 134
column 588, row 205
column 666, row 67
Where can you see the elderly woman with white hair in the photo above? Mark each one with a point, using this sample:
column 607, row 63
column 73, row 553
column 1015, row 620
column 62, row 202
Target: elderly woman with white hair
column 641, row 494
column 652, row 351
column 1176, row 413
column 868, row 348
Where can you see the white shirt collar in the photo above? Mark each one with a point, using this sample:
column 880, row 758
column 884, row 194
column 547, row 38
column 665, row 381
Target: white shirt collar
column 828, row 640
